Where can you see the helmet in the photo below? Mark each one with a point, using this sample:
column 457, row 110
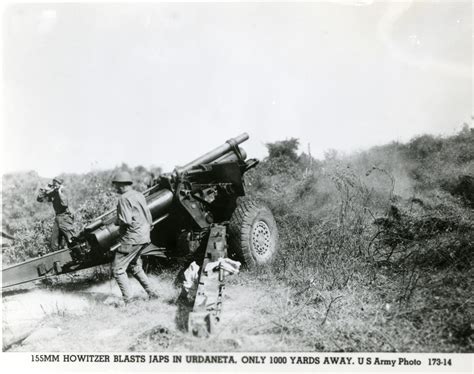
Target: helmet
column 58, row 180
column 122, row 177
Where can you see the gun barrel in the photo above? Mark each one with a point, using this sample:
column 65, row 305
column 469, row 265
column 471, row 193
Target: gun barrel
column 219, row 154
column 104, row 230
column 231, row 156
column 214, row 154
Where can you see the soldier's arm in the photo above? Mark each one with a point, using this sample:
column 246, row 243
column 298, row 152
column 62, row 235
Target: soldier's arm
column 148, row 215
column 63, row 199
column 124, row 212
column 43, row 196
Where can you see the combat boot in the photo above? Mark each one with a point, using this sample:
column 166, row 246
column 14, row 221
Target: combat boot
column 122, row 281
column 145, row 283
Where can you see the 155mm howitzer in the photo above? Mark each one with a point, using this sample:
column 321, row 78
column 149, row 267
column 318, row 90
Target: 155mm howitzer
column 199, row 213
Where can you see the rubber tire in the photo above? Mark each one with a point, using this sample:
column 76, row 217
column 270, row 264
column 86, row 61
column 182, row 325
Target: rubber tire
column 248, row 218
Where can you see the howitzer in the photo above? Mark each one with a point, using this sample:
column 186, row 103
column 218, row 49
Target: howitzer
column 199, row 214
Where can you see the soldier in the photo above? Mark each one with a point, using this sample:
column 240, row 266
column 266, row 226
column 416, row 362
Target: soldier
column 63, row 227
column 134, row 221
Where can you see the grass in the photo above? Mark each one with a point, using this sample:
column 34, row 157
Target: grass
column 378, row 253
column 263, row 311
column 375, row 255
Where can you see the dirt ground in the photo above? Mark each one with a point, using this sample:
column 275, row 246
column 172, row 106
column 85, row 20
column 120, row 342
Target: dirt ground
column 81, row 316
column 260, row 314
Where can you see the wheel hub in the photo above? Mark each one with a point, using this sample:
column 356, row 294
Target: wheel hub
column 261, row 238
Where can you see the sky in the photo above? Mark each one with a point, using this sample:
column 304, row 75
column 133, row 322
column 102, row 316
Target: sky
column 90, row 86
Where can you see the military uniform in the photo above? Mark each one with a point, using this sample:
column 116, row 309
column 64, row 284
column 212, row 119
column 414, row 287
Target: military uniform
column 63, row 226
column 134, row 220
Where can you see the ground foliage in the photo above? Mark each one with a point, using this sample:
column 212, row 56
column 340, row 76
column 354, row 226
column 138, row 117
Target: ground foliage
column 375, row 248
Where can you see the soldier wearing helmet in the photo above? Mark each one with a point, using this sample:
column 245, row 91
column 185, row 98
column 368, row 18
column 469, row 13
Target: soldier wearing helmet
column 63, row 227
column 134, row 221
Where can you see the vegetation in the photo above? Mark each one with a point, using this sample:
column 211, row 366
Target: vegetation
column 376, row 248
column 30, row 222
column 375, row 253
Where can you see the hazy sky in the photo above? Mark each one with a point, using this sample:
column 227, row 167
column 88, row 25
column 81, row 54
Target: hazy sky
column 89, row 86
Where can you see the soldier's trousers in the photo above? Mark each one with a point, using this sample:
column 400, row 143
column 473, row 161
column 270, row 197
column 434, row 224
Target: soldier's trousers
column 127, row 257
column 63, row 229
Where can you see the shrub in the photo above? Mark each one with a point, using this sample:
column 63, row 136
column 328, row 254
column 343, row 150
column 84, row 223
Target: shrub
column 284, row 148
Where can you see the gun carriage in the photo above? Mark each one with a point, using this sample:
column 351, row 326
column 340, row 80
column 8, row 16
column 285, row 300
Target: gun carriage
column 199, row 212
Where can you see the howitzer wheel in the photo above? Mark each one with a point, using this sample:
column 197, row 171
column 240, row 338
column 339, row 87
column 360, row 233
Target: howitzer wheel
column 253, row 234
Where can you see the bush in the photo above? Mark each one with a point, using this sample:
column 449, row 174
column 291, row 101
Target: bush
column 283, row 149
column 387, row 220
column 376, row 247
column 30, row 222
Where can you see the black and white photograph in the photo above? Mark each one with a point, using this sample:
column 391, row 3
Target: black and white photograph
column 238, row 185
